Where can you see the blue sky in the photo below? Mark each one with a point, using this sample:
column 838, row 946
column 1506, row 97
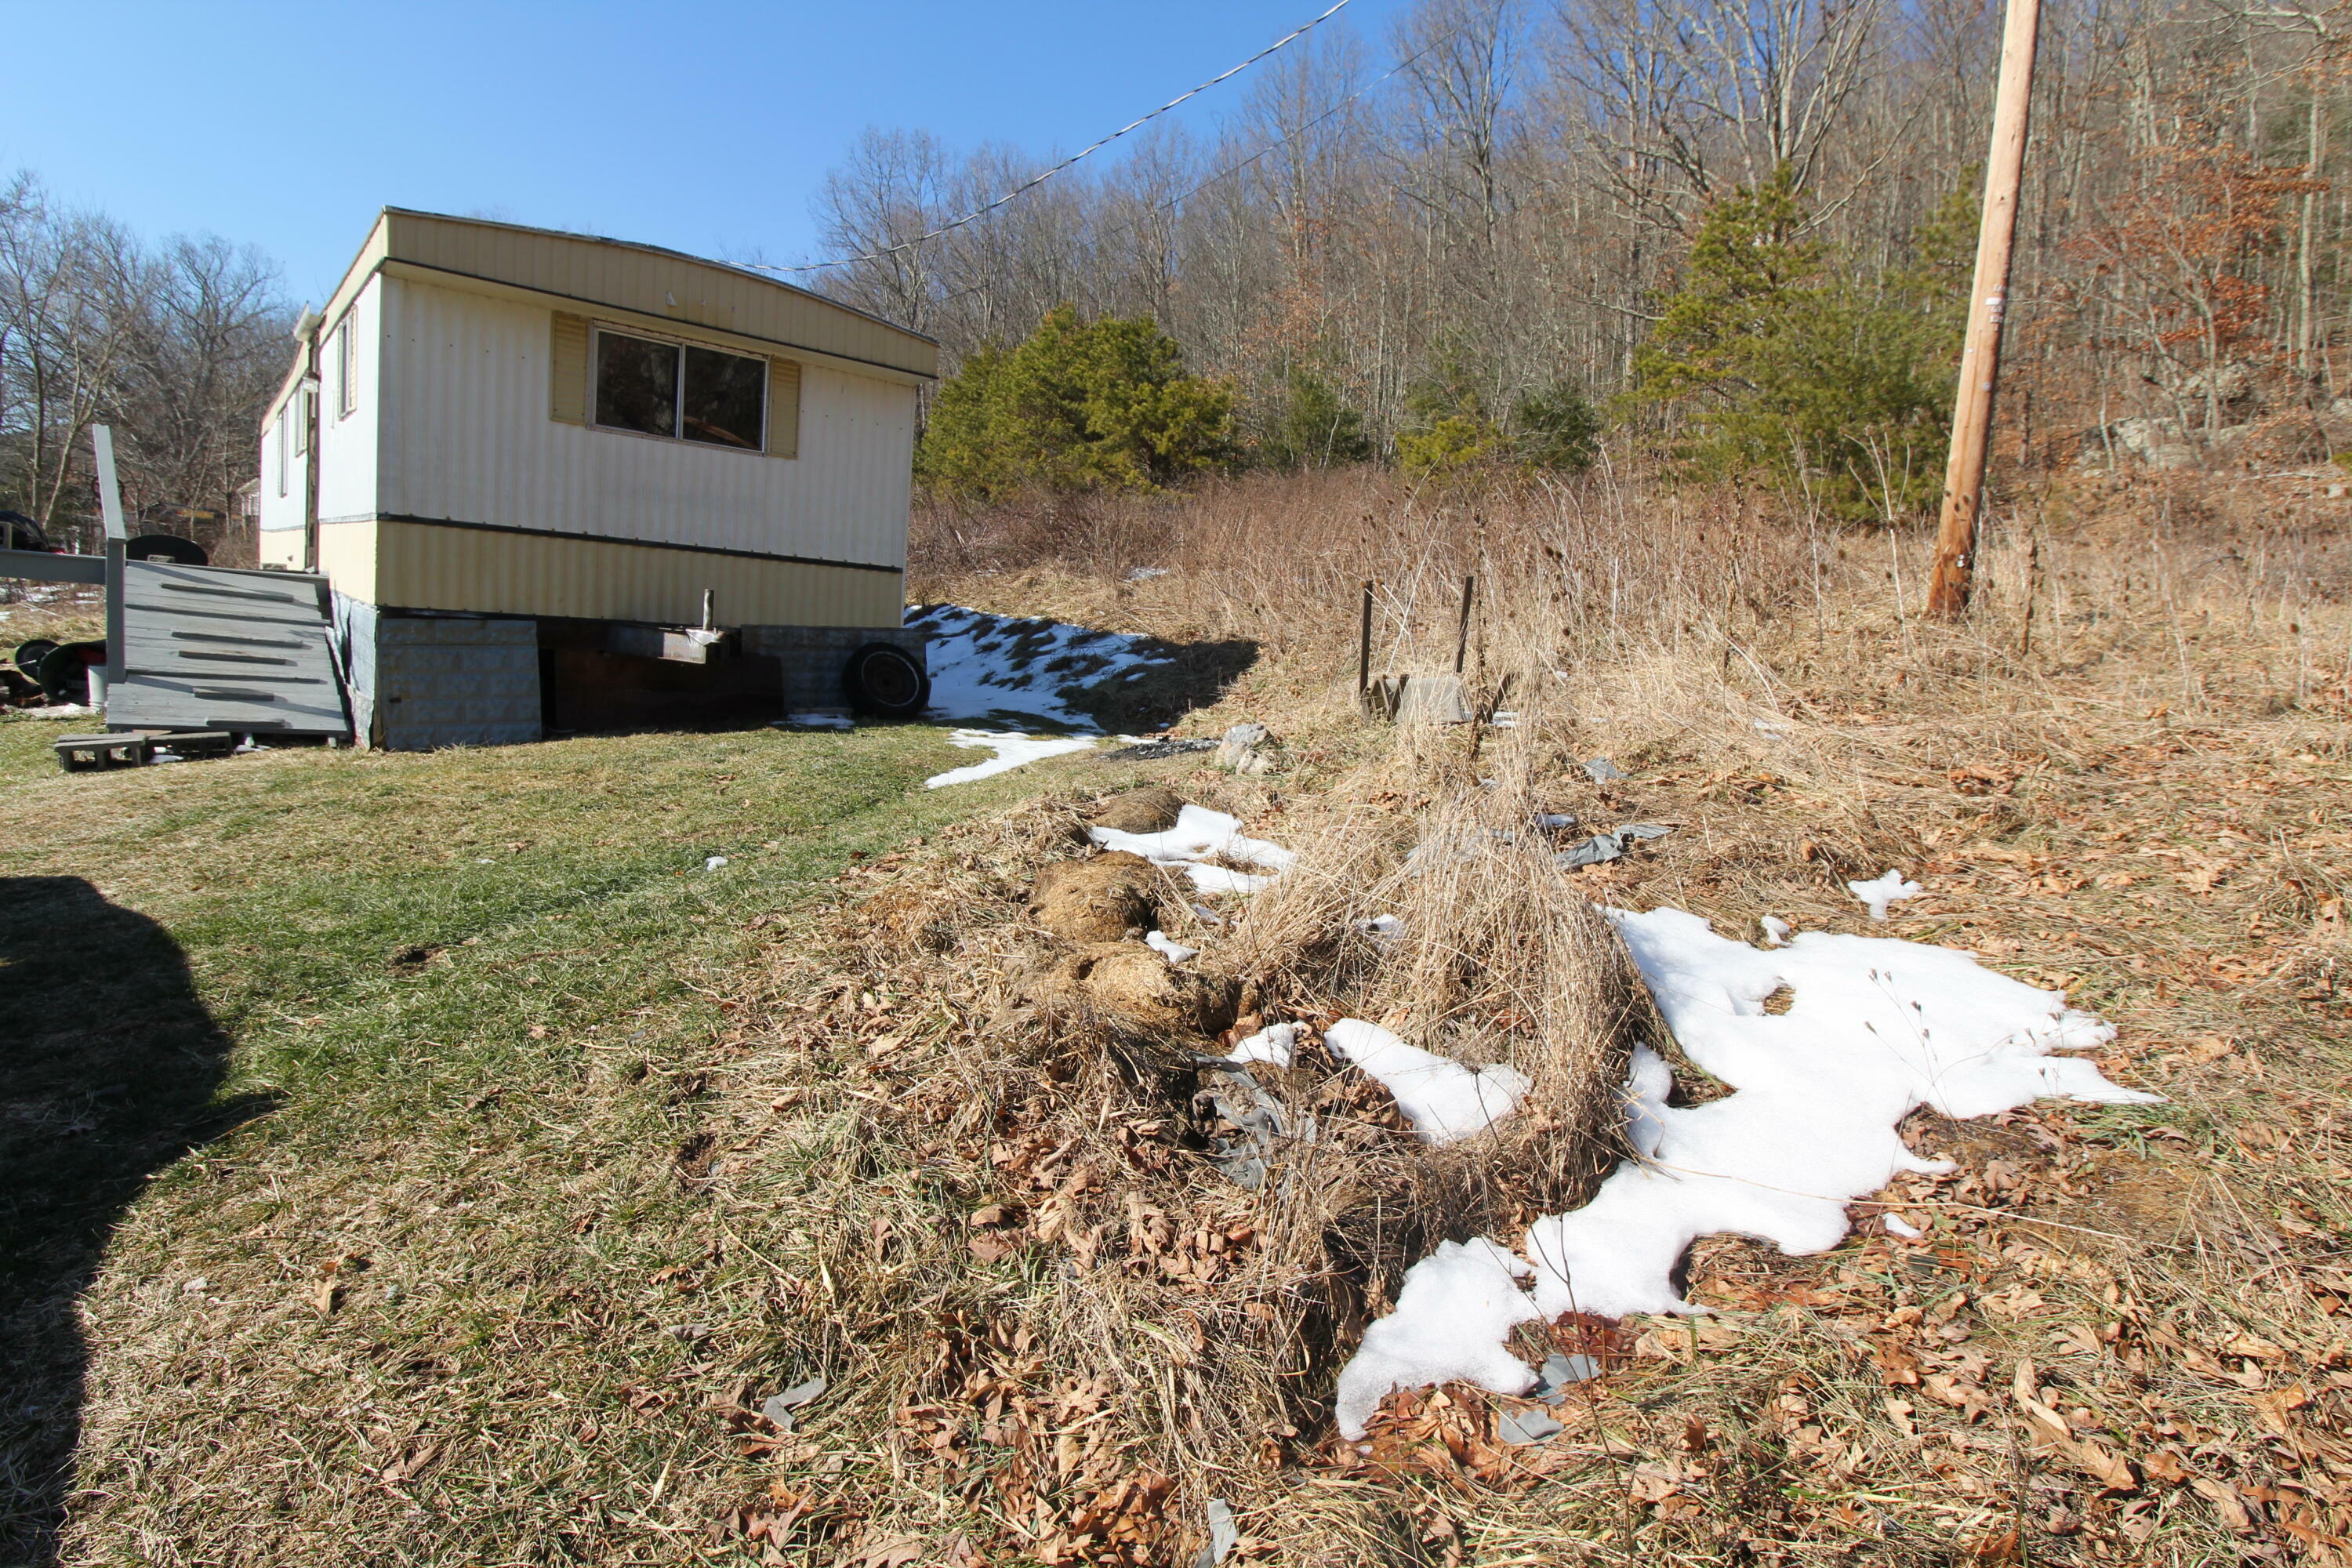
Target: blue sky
column 706, row 126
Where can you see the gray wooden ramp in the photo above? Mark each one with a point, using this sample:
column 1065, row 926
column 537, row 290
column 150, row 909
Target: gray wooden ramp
column 210, row 648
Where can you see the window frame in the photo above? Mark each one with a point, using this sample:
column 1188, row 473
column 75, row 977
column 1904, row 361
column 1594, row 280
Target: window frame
column 285, row 464
column 347, row 378
column 598, row 330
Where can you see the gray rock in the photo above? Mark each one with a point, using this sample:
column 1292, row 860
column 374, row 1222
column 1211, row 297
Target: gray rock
column 1249, row 750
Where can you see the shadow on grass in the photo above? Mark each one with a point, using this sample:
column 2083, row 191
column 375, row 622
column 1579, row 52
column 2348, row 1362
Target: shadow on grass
column 1195, row 675
column 109, row 1070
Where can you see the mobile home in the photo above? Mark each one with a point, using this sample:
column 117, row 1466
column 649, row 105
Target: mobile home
column 559, row 481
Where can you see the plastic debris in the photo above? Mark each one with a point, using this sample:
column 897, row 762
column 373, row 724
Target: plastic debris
column 1223, row 1534
column 1519, row 1427
column 1558, row 1372
column 1603, row 848
column 714, row 862
column 1602, row 771
column 778, row 1407
column 1239, row 1099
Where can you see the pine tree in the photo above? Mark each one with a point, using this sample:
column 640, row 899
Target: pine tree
column 1768, row 359
column 1078, row 406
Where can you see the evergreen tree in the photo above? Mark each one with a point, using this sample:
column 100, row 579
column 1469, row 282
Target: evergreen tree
column 1448, row 431
column 1556, row 427
column 1078, row 406
column 1769, row 360
column 1315, row 428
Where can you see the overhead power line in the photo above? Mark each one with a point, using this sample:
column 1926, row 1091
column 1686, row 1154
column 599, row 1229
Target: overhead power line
column 1030, row 185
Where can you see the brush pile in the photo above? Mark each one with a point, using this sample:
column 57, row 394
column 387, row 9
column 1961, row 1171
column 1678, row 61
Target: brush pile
column 1186, row 1182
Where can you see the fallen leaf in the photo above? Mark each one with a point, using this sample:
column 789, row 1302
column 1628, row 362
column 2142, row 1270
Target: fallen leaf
column 2272, row 1409
column 2226, row 1503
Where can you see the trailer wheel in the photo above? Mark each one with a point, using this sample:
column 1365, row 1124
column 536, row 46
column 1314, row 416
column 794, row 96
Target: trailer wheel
column 885, row 679
column 169, row 547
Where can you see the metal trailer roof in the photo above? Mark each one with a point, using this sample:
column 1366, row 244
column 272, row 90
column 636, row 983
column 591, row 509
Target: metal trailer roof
column 210, row 648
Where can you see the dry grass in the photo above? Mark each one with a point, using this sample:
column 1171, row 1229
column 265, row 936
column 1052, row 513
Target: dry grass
column 1052, row 1330
column 2115, row 807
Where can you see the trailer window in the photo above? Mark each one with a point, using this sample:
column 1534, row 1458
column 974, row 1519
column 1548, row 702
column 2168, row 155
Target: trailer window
column 636, row 384
column 347, row 371
column 688, row 393
column 723, row 394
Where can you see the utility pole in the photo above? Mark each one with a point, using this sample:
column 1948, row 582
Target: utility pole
column 1956, row 535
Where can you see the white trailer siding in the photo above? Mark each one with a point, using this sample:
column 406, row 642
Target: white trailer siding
column 349, row 443
column 280, row 523
column 466, row 436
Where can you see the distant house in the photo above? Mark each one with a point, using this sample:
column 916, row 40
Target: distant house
column 558, row 481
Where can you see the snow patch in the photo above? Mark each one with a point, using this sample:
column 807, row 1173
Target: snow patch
column 1875, row 1027
column 1012, row 748
column 1444, row 1099
column 1453, row 1319
column 986, row 667
column 1199, row 837
column 1271, row 1045
column 1885, row 891
column 1168, row 948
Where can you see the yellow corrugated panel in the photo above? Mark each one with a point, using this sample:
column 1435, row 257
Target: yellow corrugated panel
column 429, row 566
column 567, row 376
column 346, row 557
column 656, row 282
column 783, row 408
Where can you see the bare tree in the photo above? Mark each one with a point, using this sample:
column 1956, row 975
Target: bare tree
column 72, row 287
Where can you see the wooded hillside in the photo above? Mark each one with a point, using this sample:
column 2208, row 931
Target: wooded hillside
column 1503, row 197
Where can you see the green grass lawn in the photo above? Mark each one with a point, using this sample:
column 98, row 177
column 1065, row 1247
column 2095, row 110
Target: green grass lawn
column 339, row 1117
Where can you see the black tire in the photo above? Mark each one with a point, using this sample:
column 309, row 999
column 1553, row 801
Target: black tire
column 168, row 547
column 885, row 680
column 30, row 652
column 64, row 671
column 18, row 532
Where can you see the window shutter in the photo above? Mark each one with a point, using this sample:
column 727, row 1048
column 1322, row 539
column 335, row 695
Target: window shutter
column 567, row 386
column 783, row 408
